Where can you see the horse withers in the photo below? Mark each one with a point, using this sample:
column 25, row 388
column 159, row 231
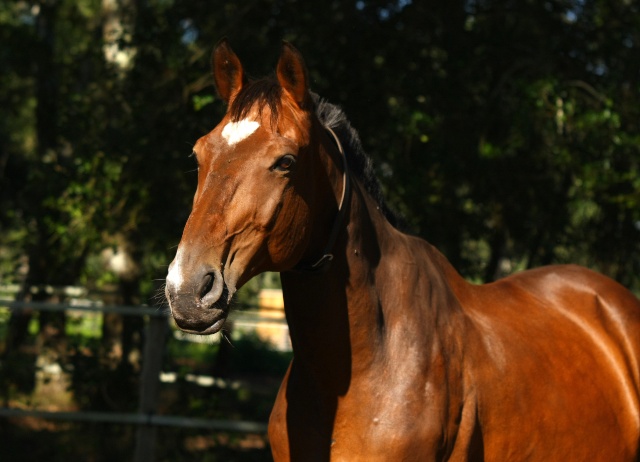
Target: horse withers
column 396, row 357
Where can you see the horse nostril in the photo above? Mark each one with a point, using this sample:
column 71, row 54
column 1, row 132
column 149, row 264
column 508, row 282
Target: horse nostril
column 207, row 284
column 210, row 289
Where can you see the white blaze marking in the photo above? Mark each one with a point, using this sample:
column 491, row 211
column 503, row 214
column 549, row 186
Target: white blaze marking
column 234, row 132
column 175, row 273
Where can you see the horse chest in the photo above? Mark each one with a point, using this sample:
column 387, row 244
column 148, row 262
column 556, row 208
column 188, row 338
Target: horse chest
column 371, row 425
column 380, row 437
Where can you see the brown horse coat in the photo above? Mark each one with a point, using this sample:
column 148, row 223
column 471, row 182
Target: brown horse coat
column 396, row 357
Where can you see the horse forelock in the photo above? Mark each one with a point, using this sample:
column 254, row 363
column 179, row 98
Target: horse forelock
column 266, row 94
column 263, row 93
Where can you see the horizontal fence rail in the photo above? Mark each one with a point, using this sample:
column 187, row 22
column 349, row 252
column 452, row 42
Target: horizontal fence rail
column 240, row 426
column 150, row 375
column 244, row 315
column 96, row 308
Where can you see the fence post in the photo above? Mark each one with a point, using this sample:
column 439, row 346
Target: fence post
column 149, row 385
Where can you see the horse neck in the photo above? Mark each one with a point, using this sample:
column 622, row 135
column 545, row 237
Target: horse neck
column 356, row 316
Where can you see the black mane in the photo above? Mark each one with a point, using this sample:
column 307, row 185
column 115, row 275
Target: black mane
column 267, row 92
column 333, row 117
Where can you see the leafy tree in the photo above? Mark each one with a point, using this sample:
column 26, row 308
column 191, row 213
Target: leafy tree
column 505, row 132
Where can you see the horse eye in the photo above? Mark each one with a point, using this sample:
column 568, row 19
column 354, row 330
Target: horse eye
column 284, row 163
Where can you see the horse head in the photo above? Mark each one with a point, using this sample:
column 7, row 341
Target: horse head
column 259, row 175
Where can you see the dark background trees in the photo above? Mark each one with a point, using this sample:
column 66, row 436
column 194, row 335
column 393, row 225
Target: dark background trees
column 505, row 132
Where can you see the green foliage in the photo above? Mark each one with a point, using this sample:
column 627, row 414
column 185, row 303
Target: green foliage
column 506, row 133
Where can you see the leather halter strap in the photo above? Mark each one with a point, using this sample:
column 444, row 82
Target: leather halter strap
column 323, row 263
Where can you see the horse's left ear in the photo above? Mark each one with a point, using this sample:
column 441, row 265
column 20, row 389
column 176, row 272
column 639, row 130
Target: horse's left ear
column 292, row 74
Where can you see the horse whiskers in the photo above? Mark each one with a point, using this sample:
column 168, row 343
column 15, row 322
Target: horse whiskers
column 224, row 336
column 159, row 295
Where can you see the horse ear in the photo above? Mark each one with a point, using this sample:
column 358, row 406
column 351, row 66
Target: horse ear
column 292, row 74
column 227, row 71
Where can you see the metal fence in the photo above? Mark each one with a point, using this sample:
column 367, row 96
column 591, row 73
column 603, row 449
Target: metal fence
column 146, row 418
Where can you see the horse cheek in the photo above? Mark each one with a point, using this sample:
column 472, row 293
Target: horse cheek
column 290, row 234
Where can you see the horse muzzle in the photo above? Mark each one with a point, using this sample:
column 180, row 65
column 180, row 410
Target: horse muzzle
column 200, row 302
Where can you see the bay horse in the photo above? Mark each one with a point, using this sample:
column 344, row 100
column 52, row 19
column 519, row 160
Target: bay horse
column 395, row 356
